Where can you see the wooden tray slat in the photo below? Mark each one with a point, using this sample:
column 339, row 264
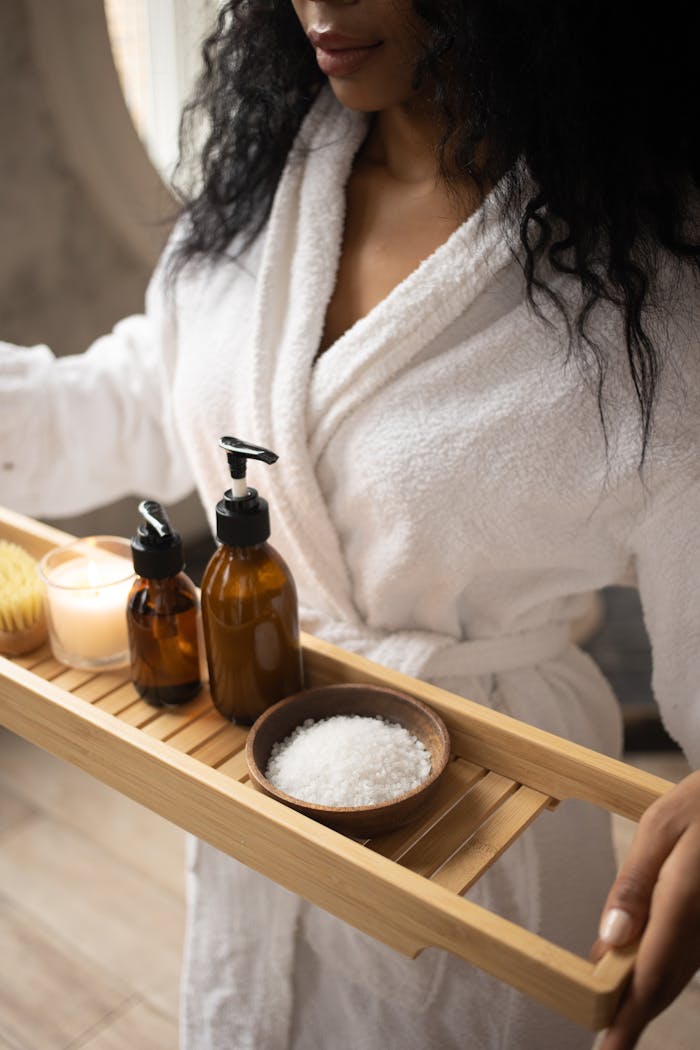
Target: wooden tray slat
column 72, row 679
column 197, row 732
column 48, row 668
column 138, row 714
column 116, row 700
column 171, row 720
column 189, row 765
column 227, row 742
column 457, row 779
column 235, row 767
column 33, row 659
column 431, row 851
column 101, row 686
column 494, row 836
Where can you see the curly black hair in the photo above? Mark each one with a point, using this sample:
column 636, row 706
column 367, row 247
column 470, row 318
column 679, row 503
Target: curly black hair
column 588, row 110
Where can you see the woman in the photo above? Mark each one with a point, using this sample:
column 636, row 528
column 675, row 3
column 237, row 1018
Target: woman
column 446, row 269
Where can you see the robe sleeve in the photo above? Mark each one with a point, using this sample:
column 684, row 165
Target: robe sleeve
column 80, row 431
column 666, row 544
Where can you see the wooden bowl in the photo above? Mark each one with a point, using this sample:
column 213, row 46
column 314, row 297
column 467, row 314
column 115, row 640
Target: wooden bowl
column 275, row 725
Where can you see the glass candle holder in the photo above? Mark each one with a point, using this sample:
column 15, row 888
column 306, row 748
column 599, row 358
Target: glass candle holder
column 86, row 587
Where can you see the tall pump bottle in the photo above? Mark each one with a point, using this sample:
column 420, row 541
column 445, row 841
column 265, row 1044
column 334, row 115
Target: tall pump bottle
column 162, row 614
column 249, row 602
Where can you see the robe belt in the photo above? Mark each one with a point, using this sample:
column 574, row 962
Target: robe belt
column 510, row 652
column 429, row 654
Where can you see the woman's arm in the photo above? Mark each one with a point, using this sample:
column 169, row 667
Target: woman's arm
column 80, row 431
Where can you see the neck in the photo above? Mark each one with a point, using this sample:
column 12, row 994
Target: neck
column 403, row 143
column 403, row 140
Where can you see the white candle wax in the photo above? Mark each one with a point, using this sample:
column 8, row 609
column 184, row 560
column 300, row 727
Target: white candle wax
column 87, row 599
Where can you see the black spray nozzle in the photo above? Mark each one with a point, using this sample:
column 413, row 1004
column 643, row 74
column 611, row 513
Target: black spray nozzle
column 157, row 525
column 156, row 548
column 242, row 517
column 239, row 452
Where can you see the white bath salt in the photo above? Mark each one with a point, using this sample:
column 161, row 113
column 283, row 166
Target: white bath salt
column 348, row 760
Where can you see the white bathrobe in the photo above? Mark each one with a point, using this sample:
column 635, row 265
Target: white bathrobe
column 446, row 503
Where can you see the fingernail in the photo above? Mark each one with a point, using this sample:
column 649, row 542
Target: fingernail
column 615, row 927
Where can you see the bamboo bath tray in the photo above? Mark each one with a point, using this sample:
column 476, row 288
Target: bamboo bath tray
column 403, row 888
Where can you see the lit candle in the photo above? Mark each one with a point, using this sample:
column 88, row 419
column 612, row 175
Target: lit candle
column 87, row 584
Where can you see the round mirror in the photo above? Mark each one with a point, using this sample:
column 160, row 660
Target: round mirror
column 157, row 51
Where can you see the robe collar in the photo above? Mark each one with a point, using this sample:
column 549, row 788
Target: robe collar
column 294, row 406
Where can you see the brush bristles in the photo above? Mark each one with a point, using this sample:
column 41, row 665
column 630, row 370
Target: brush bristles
column 20, row 589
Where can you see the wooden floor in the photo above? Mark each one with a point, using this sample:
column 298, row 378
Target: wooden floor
column 92, row 913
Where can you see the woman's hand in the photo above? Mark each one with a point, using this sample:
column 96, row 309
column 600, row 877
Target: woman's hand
column 656, row 896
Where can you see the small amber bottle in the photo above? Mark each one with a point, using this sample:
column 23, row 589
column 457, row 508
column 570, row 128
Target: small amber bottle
column 249, row 602
column 162, row 614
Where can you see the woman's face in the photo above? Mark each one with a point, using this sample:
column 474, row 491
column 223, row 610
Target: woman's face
column 368, row 49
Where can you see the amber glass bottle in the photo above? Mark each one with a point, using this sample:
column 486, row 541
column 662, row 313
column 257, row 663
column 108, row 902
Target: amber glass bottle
column 251, row 630
column 162, row 614
column 249, row 602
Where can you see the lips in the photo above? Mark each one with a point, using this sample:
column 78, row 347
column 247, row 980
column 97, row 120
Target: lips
column 339, row 55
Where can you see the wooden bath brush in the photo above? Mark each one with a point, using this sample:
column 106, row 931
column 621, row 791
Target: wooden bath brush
column 22, row 623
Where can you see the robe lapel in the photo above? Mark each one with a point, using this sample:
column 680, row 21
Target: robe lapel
column 295, row 283
column 386, row 341
column 292, row 406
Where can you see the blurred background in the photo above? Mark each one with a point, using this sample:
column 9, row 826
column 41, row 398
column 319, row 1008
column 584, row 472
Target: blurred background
column 89, row 112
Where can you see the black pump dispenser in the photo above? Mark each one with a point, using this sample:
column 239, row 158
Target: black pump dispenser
column 162, row 614
column 242, row 517
column 156, row 548
column 249, row 602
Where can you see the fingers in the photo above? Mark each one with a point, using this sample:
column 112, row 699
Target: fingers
column 669, row 952
column 665, row 905
column 620, row 924
column 627, row 906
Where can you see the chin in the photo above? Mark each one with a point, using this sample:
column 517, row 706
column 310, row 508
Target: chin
column 352, row 96
column 362, row 98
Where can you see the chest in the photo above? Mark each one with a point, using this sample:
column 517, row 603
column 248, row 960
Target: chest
column 389, row 230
